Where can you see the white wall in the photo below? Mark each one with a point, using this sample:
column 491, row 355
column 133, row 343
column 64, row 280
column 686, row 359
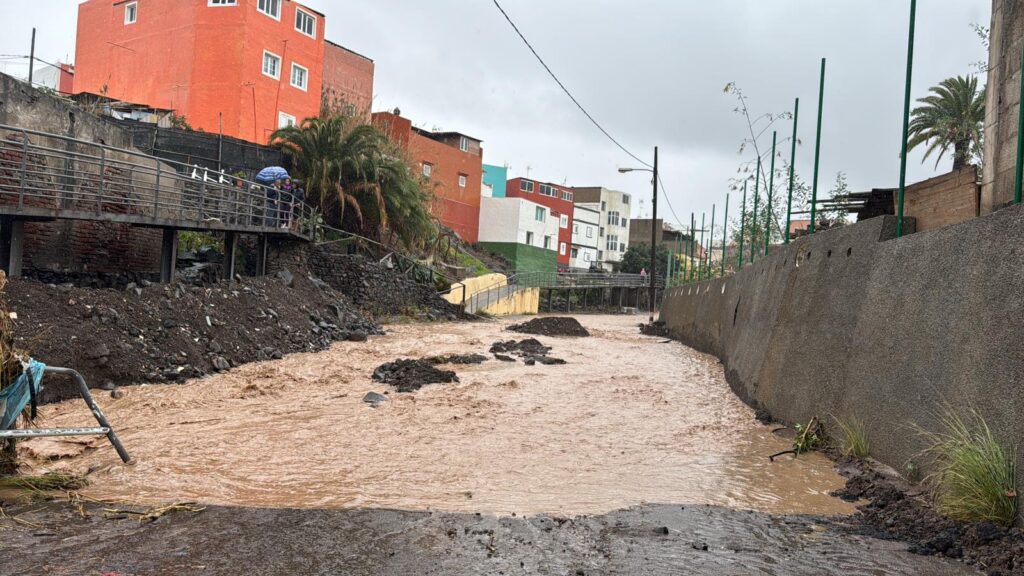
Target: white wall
column 585, row 236
column 509, row 220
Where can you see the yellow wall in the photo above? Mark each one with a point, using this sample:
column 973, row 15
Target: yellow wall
column 525, row 301
column 474, row 285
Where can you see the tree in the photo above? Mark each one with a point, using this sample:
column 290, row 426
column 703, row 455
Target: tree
column 359, row 180
column 638, row 257
column 953, row 116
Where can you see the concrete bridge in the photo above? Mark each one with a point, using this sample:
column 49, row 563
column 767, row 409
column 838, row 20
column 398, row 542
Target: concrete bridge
column 623, row 290
column 47, row 177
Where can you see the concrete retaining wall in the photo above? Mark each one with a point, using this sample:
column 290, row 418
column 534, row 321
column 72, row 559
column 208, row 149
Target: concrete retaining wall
column 853, row 323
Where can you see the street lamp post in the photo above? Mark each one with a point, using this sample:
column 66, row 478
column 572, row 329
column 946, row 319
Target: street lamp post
column 653, row 275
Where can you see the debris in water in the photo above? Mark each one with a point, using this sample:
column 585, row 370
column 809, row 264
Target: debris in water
column 530, row 350
column 551, row 326
column 374, row 399
column 457, row 359
column 411, row 375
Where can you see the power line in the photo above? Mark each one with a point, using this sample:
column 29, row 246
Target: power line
column 566, row 90
column 669, row 203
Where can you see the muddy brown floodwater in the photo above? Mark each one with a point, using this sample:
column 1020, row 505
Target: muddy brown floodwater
column 628, row 420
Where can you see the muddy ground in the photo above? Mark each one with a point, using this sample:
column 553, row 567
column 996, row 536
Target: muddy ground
column 648, row 540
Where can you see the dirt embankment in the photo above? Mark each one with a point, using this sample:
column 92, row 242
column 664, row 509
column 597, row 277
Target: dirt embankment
column 169, row 333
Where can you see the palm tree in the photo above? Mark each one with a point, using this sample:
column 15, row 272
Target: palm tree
column 953, row 115
column 346, row 163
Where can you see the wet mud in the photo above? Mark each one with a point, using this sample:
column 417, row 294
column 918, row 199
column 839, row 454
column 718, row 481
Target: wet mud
column 650, row 539
column 551, row 326
column 411, row 375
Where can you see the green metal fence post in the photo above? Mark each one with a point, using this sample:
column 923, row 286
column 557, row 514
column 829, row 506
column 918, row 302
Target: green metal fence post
column 725, row 231
column 700, row 268
column 1019, row 183
column 693, row 239
column 743, row 224
column 753, row 225
column 906, row 120
column 771, row 190
column 711, row 239
column 792, row 171
column 817, row 149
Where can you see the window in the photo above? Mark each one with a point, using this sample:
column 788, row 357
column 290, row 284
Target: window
column 463, row 143
column 625, row 199
column 271, row 65
column 547, row 243
column 612, row 243
column 271, row 8
column 622, row 247
column 546, row 190
column 586, row 257
column 300, row 76
column 131, row 12
column 223, row 3
column 529, row 238
column 561, row 248
column 603, row 206
column 575, row 228
column 462, row 180
column 590, row 232
column 574, row 253
column 540, row 214
column 600, row 255
column 613, row 218
column 305, row 22
column 601, row 235
column 563, row 221
column 428, row 169
column 567, row 196
column 526, row 186
column 284, row 120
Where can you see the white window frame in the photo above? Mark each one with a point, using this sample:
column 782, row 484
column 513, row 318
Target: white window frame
column 561, row 248
column 586, row 256
column 540, row 213
column 526, row 186
column 463, row 143
column 312, row 18
column 428, row 169
column 270, row 3
column 283, row 118
column 529, row 238
column 590, row 232
column 291, row 80
column 462, row 180
column 574, row 253
column 263, row 65
column 131, row 8
column 563, row 221
column 221, row 3
column 547, row 242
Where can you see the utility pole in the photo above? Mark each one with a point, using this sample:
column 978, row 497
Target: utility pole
column 32, row 57
column 653, row 276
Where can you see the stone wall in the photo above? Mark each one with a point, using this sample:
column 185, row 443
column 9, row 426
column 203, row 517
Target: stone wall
column 855, row 324
column 1002, row 104
column 944, row 200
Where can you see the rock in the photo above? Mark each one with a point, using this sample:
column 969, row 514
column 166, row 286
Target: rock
column 374, row 399
column 116, row 394
column 357, row 337
column 504, row 358
column 287, row 277
column 220, row 364
column 108, row 385
column 168, row 323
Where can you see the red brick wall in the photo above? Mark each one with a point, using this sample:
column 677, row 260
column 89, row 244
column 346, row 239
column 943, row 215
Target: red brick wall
column 944, row 200
column 558, row 207
column 348, row 77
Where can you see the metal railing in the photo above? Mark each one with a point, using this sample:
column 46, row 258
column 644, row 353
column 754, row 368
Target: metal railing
column 47, row 176
column 515, row 282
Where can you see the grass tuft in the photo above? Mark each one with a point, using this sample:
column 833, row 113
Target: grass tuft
column 48, row 482
column 974, row 478
column 853, row 442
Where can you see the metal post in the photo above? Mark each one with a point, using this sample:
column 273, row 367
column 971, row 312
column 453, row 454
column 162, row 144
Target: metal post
column 32, row 58
column 711, row 239
column 693, row 240
column 103, row 175
column 1019, row 182
column 168, row 255
column 792, row 171
column 817, row 149
column 230, row 252
column 725, row 231
column 24, row 170
column 653, row 276
column 753, row 225
column 771, row 189
column 700, row 266
column 906, row 122
column 156, row 193
column 743, row 223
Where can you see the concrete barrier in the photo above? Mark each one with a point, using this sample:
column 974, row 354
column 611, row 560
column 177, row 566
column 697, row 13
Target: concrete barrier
column 854, row 323
column 473, row 286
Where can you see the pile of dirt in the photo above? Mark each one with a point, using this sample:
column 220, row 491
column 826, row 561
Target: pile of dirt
column 530, row 350
column 378, row 290
column 896, row 510
column 657, row 328
column 411, row 375
column 551, row 326
column 462, row 359
column 151, row 333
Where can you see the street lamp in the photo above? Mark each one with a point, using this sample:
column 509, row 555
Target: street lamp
column 653, row 276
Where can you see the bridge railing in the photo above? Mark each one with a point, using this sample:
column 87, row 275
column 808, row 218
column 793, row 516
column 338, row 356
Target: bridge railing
column 483, row 298
column 48, row 175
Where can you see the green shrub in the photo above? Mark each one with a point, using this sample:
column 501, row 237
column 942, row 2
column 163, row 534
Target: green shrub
column 974, row 477
column 189, row 241
column 853, row 441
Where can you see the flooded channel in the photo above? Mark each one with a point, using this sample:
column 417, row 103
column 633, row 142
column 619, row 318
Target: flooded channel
column 628, row 420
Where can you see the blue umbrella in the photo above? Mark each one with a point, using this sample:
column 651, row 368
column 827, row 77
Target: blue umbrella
column 271, row 173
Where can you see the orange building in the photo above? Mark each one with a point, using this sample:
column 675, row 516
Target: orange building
column 250, row 66
column 452, row 161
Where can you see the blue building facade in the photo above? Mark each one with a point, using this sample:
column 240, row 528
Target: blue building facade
column 496, row 177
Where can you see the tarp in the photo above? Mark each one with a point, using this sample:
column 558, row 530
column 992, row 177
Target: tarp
column 15, row 397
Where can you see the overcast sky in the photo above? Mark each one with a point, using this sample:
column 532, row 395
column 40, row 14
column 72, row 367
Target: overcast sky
column 651, row 71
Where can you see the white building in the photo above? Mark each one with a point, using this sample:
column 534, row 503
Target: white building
column 615, row 211
column 524, row 232
column 585, row 237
